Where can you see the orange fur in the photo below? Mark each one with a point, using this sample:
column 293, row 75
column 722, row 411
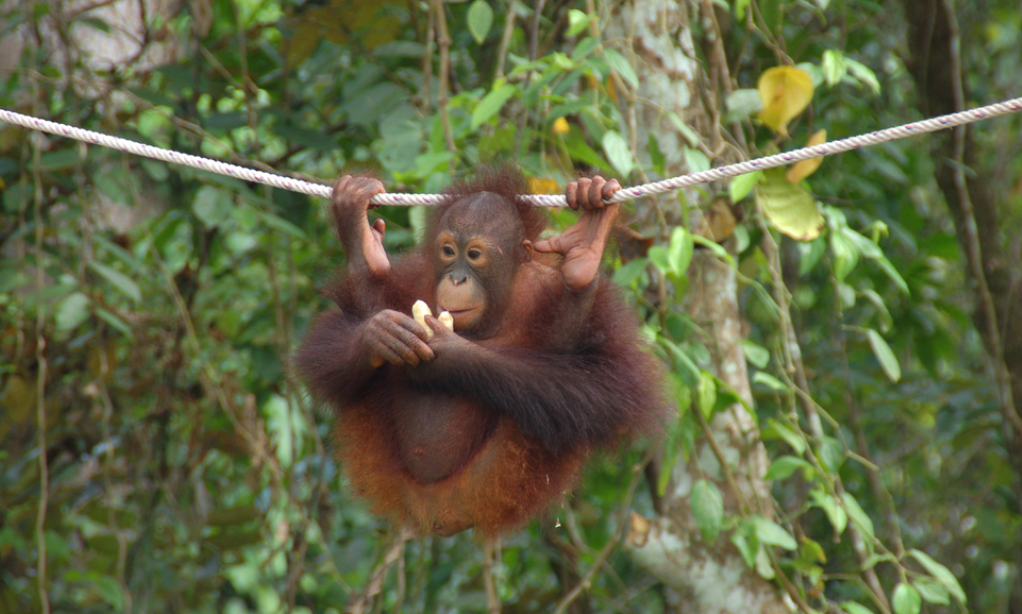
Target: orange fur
column 509, row 480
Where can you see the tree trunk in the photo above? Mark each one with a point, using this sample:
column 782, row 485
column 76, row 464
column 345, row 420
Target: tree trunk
column 704, row 577
column 935, row 64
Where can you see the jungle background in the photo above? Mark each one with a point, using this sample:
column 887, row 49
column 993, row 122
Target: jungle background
column 843, row 339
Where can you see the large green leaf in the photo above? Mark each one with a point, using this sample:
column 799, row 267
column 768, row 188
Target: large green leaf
column 491, row 104
column 480, row 18
column 785, row 466
column 906, row 600
column 119, row 280
column 679, row 252
column 708, row 509
column 769, row 532
column 72, row 311
column 616, row 148
column 621, row 67
column 941, row 573
column 858, row 515
column 854, row 608
column 888, row 361
column 212, row 205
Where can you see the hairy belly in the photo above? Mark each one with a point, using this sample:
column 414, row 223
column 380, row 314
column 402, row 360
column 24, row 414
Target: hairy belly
column 438, row 434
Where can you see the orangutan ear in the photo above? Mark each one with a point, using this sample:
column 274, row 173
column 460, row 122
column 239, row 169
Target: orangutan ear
column 526, row 251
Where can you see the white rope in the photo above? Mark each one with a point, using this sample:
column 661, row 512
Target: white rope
column 540, row 200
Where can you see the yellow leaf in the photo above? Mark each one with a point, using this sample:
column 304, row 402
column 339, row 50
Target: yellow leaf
column 786, row 92
column 803, row 169
column 560, row 126
column 789, row 207
column 543, row 186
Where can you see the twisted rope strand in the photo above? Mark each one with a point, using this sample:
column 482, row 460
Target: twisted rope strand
column 539, row 200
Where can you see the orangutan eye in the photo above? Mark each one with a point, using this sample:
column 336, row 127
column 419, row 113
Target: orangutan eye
column 474, row 254
column 448, row 250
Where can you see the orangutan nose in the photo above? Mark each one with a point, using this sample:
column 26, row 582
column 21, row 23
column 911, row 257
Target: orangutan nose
column 458, row 279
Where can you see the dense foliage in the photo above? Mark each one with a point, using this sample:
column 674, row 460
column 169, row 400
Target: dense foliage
column 157, row 455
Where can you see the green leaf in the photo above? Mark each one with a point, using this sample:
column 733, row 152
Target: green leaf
column 577, row 22
column 715, row 248
column 621, row 67
column 771, row 382
column 580, row 150
column 789, row 207
column 763, row 566
column 831, row 453
column 888, row 268
column 630, row 272
column 858, row 515
column 616, row 148
column 846, row 255
column 769, row 532
column 581, row 50
column 758, row 355
column 742, row 185
column 658, row 255
column 706, row 393
column 212, row 206
column 906, row 600
column 120, row 281
column 491, row 104
column 864, row 74
column 696, row 161
column 854, row 608
column 744, row 538
column 884, row 355
column 60, row 159
column 740, row 6
column 776, row 430
column 941, row 573
column 835, row 513
column 708, row 509
column 72, row 311
column 679, row 253
column 784, row 467
column 690, row 135
column 932, row 591
column 834, row 67
column 115, row 322
column 810, row 255
column 688, row 368
column 278, row 223
column 480, row 18
column 655, row 155
column 110, row 591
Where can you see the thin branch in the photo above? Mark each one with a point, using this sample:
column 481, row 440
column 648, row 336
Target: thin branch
column 40, row 354
column 972, row 243
column 375, row 583
column 615, row 539
column 505, row 40
column 444, row 43
column 794, row 366
column 492, row 599
column 427, row 62
column 718, row 452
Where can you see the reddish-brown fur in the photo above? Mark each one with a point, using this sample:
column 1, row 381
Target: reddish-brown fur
column 564, row 375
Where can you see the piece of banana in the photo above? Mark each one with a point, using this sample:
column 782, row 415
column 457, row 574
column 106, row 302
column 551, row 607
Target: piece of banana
column 419, row 311
column 447, row 320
